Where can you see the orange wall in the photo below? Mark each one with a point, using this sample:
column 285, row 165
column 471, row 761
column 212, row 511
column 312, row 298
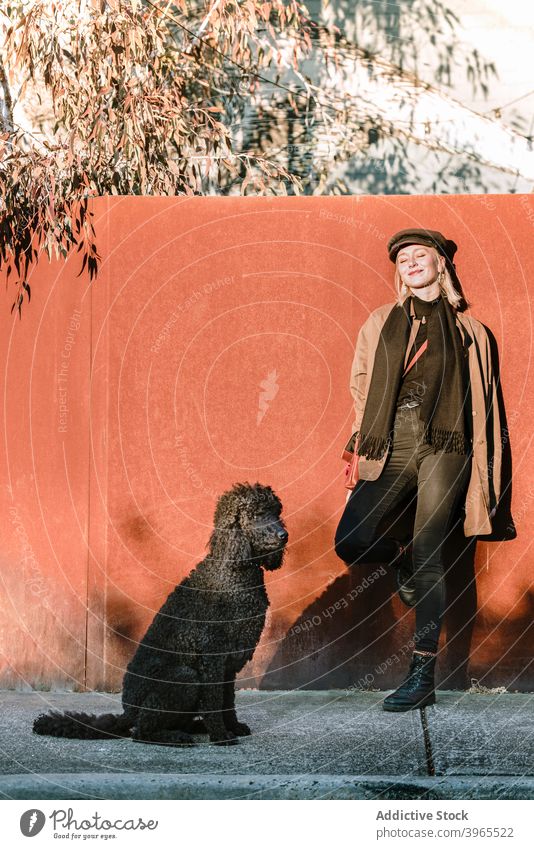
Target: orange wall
column 161, row 364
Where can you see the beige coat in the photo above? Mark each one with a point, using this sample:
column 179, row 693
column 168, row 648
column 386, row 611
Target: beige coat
column 484, row 487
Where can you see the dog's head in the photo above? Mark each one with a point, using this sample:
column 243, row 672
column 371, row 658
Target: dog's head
column 253, row 512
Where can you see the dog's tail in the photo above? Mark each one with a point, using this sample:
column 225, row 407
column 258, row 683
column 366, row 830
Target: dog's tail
column 83, row 726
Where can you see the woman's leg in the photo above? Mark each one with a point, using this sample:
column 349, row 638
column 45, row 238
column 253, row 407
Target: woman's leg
column 356, row 537
column 442, row 482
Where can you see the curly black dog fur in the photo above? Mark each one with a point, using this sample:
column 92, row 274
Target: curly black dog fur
column 181, row 679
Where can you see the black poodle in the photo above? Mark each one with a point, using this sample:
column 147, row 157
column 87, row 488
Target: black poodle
column 181, row 679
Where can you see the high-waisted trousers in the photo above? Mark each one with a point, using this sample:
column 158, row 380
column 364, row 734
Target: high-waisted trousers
column 438, row 481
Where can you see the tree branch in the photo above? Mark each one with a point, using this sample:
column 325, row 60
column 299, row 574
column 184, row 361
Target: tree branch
column 6, row 103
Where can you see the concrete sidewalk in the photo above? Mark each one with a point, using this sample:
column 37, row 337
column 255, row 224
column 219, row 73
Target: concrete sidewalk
column 305, row 744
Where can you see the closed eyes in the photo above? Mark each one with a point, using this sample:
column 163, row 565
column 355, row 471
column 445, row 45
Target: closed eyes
column 418, row 255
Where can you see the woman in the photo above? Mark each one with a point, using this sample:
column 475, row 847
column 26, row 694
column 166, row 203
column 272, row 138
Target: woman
column 426, row 410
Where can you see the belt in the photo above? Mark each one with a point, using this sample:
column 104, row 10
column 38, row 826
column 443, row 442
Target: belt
column 409, row 405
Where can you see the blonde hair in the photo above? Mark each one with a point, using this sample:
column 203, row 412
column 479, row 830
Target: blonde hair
column 447, row 287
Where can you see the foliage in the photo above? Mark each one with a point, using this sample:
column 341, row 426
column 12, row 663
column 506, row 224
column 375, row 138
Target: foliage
column 131, row 97
column 136, row 105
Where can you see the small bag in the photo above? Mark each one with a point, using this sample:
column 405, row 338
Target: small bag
column 351, row 456
column 350, row 453
column 348, row 450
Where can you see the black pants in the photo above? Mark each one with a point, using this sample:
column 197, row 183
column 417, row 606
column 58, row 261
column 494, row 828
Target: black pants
column 438, row 481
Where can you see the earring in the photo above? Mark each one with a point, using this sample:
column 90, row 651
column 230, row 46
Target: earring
column 441, row 277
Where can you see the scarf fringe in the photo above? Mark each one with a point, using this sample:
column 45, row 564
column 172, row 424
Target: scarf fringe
column 373, row 447
column 446, row 440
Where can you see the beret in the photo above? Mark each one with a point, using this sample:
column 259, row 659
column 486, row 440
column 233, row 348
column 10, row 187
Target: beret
column 431, row 238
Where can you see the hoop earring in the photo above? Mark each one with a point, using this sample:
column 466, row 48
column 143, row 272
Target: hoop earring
column 440, row 279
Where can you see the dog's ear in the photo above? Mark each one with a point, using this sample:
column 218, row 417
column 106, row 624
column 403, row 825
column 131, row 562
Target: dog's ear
column 227, row 511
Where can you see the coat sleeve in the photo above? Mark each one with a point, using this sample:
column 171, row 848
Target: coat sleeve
column 363, row 361
column 358, row 375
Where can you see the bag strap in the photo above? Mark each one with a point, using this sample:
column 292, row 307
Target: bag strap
column 415, row 357
column 416, row 323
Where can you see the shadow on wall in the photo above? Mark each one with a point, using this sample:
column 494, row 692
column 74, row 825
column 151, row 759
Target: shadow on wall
column 336, row 641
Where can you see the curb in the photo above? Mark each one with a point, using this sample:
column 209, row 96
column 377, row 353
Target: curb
column 320, row 786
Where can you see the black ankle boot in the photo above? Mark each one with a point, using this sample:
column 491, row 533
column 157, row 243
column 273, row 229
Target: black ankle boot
column 403, row 565
column 418, row 688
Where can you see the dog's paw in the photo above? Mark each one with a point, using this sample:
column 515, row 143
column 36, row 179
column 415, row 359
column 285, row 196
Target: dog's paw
column 224, row 738
column 240, row 729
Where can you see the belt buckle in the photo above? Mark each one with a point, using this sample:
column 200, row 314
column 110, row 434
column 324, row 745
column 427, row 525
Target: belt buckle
column 409, row 405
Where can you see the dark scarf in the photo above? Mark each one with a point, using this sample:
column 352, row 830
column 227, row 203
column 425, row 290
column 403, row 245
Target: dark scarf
column 442, row 407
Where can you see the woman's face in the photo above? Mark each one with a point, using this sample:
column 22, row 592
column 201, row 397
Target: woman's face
column 418, row 265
